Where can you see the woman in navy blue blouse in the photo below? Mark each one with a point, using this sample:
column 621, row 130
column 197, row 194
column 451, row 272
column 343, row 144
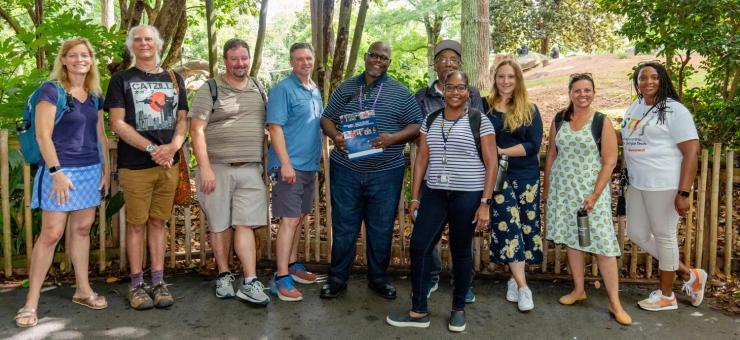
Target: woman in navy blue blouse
column 515, row 214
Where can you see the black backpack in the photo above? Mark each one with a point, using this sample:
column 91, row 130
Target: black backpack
column 596, row 126
column 214, row 91
column 474, row 116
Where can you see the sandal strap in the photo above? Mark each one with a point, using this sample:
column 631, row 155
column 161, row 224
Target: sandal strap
column 25, row 312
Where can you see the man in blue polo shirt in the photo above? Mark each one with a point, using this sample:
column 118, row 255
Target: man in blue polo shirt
column 368, row 189
column 293, row 119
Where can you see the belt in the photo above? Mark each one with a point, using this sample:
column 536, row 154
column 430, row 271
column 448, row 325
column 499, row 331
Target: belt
column 239, row 163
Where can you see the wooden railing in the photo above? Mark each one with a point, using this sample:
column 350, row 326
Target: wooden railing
column 700, row 229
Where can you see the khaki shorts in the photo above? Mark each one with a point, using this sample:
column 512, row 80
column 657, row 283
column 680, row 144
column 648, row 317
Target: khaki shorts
column 239, row 199
column 148, row 192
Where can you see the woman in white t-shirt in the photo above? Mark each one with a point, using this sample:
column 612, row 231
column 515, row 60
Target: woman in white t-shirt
column 660, row 149
column 454, row 180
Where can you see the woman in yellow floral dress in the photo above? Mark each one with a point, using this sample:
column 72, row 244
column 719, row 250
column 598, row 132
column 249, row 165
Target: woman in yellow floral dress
column 515, row 217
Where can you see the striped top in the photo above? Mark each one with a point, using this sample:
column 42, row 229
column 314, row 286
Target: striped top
column 464, row 170
column 235, row 130
column 395, row 109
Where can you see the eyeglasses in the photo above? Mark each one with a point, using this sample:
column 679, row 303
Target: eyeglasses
column 379, row 57
column 461, row 88
column 452, row 61
column 585, row 75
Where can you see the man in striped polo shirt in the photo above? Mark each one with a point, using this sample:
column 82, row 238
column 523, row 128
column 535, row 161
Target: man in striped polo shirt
column 368, row 189
column 227, row 128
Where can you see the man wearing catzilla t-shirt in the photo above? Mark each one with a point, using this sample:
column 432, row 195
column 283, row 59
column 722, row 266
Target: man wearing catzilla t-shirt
column 147, row 107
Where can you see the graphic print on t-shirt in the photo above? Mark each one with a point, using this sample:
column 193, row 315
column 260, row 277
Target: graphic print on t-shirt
column 155, row 104
column 634, row 131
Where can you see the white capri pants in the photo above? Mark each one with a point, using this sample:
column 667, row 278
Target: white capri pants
column 652, row 223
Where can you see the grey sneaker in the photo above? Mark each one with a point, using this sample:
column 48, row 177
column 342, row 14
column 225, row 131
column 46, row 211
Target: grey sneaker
column 139, row 298
column 457, row 321
column 162, row 296
column 525, row 302
column 253, row 292
column 225, row 287
column 403, row 319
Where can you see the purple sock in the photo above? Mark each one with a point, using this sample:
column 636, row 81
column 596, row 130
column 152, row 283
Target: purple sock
column 157, row 277
column 137, row 279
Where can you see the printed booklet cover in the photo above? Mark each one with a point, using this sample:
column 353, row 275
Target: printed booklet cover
column 358, row 129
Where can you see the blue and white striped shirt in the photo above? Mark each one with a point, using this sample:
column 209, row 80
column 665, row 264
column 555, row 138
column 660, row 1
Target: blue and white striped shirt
column 395, row 109
column 465, row 170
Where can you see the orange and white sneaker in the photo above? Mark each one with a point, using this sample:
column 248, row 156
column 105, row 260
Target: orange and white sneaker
column 694, row 287
column 300, row 274
column 657, row 302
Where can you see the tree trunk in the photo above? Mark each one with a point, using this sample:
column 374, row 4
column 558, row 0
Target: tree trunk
column 321, row 19
column 258, row 46
column 107, row 13
column 681, row 75
column 432, row 26
column 340, row 52
column 356, row 39
column 544, row 44
column 211, row 31
column 475, row 43
column 39, row 19
column 484, row 45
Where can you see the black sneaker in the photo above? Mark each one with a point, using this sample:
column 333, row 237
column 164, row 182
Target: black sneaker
column 403, row 319
column 457, row 321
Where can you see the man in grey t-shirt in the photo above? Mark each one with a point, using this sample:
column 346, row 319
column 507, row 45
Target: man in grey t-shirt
column 228, row 134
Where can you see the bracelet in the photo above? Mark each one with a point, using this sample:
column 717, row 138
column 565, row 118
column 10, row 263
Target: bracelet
column 414, row 200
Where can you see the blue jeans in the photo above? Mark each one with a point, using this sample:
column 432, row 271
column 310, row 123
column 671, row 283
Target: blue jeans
column 437, row 208
column 371, row 197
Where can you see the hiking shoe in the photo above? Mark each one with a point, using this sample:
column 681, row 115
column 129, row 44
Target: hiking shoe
column 512, row 291
column 253, row 292
column 403, row 319
column 284, row 289
column 225, row 286
column 457, row 321
column 139, row 298
column 469, row 297
column 300, row 274
column 161, row 296
column 694, row 287
column 658, row 302
column 525, row 302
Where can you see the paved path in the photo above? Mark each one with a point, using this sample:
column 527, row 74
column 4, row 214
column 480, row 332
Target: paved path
column 358, row 315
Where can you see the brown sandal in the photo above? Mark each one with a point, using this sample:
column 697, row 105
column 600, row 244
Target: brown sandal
column 26, row 314
column 93, row 301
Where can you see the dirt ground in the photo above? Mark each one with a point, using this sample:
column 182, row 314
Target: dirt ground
column 548, row 85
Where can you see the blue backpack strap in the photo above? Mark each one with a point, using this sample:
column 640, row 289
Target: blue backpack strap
column 61, row 102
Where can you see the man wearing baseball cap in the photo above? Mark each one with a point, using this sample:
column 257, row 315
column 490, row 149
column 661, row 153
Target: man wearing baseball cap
column 447, row 57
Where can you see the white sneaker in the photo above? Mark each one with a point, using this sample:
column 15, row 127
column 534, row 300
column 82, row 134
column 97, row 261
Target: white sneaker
column 694, row 287
column 253, row 292
column 525, row 302
column 224, row 286
column 657, row 302
column 512, row 291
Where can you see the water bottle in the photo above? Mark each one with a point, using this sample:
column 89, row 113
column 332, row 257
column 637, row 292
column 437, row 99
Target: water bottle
column 503, row 167
column 584, row 230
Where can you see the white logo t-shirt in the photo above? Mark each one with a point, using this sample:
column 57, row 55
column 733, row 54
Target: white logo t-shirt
column 650, row 148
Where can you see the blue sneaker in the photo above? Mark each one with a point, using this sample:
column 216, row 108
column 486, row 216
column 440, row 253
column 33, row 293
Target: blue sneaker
column 300, row 274
column 469, row 296
column 284, row 289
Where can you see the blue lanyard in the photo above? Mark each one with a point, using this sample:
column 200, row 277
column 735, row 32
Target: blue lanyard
column 362, row 96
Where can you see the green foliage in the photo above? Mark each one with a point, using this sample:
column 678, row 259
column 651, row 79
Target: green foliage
column 716, row 119
column 573, row 24
column 18, row 73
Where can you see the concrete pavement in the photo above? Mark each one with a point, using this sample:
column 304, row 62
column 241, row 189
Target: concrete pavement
column 359, row 314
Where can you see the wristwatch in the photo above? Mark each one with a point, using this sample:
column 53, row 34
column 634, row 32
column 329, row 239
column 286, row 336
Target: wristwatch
column 54, row 169
column 486, row 201
column 150, row 148
column 683, row 193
